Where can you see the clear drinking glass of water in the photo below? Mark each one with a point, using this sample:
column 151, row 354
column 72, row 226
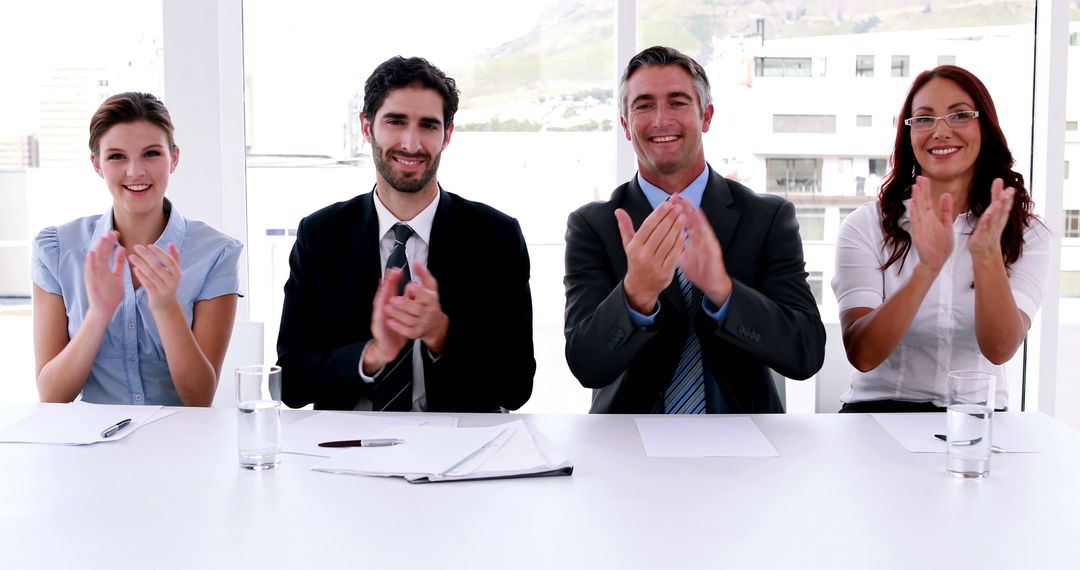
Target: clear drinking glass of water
column 258, row 427
column 970, row 404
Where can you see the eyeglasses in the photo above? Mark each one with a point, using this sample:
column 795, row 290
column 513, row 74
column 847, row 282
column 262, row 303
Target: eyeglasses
column 927, row 122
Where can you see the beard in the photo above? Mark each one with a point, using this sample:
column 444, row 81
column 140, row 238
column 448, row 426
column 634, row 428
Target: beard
column 384, row 165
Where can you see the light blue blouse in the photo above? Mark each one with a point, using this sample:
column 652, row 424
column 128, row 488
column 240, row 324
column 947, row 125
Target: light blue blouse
column 130, row 366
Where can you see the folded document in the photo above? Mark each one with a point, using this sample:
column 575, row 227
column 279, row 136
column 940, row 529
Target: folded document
column 433, row 454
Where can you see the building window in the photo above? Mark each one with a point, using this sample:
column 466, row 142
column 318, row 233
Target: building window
column 901, row 65
column 825, row 124
column 782, row 67
column 864, row 120
column 877, row 166
column 864, row 66
column 816, row 281
column 1074, row 39
column 793, row 175
column 1071, row 125
column 811, row 224
column 1066, row 170
column 1070, row 284
column 946, row 60
column 1072, row 223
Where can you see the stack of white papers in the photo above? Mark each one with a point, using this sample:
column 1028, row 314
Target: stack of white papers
column 432, row 454
column 79, row 423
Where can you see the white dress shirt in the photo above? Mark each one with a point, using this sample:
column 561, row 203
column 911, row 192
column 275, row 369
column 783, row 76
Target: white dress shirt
column 416, row 251
column 942, row 335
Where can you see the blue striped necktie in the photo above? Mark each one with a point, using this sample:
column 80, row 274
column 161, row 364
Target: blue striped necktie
column 686, row 393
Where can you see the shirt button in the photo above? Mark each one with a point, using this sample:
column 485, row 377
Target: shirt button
column 131, row 360
column 131, row 325
column 138, row 397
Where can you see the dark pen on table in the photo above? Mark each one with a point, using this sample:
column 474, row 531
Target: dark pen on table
column 385, row 442
column 111, row 430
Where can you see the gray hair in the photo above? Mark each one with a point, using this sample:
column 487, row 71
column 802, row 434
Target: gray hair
column 660, row 55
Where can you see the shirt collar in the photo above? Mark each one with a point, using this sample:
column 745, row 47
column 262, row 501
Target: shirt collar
column 175, row 226
column 691, row 193
column 421, row 224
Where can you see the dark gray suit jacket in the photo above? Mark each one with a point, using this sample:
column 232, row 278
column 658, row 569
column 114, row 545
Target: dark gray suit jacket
column 479, row 258
column 772, row 320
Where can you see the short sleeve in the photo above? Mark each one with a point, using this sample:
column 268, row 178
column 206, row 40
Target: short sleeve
column 224, row 275
column 1027, row 277
column 45, row 261
column 857, row 281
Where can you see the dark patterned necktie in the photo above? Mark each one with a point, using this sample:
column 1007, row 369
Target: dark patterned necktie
column 393, row 392
column 397, row 258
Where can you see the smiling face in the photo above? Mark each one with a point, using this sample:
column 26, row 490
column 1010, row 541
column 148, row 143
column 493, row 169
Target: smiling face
column 135, row 161
column 407, row 139
column 945, row 153
column 665, row 123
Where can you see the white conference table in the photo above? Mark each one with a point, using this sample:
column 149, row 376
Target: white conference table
column 842, row 494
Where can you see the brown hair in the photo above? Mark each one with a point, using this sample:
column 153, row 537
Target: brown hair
column 994, row 161
column 130, row 107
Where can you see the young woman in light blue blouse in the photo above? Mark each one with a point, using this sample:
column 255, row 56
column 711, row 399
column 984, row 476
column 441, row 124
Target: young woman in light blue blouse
column 134, row 306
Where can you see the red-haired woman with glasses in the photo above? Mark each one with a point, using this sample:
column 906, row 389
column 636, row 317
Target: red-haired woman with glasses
column 946, row 269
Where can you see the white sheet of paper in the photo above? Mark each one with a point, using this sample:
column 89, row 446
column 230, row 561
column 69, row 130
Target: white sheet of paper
column 703, row 437
column 427, row 450
column 915, row 432
column 303, row 436
column 79, row 423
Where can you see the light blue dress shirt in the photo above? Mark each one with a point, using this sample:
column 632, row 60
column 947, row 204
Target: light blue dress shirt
column 130, row 366
column 714, row 400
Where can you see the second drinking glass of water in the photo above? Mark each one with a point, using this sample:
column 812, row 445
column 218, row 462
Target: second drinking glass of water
column 259, row 416
column 970, row 403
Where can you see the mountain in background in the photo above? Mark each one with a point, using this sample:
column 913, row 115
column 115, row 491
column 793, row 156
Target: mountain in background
column 559, row 75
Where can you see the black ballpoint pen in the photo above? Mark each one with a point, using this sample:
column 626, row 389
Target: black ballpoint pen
column 384, row 442
column 111, row 430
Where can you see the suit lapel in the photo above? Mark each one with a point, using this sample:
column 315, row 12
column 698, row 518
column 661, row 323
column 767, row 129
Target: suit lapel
column 365, row 266
column 441, row 236
column 720, row 208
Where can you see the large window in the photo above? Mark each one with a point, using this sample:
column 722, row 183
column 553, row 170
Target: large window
column 864, row 66
column 533, row 135
column 793, row 175
column 782, row 67
column 537, row 126
column 1072, row 223
column 61, row 60
column 804, row 124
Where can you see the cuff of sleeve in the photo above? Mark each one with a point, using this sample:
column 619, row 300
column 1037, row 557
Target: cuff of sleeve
column 1025, row 304
column 360, row 368
column 638, row 319
column 432, row 357
column 853, row 299
column 716, row 313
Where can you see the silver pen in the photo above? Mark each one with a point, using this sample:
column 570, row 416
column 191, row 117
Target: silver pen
column 385, row 442
column 111, row 430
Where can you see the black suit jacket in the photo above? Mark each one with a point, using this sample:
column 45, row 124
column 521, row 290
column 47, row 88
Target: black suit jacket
column 478, row 256
column 771, row 322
